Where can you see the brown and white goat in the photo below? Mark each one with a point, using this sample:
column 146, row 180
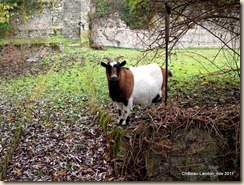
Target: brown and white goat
column 141, row 85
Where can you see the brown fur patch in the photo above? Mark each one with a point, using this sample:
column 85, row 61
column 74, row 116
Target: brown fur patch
column 126, row 82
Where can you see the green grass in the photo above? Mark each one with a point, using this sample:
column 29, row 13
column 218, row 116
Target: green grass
column 201, row 61
column 82, row 76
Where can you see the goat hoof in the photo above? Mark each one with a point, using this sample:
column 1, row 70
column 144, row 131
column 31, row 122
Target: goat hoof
column 121, row 121
column 124, row 123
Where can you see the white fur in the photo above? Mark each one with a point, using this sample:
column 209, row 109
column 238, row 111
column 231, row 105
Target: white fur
column 112, row 64
column 125, row 110
column 148, row 81
column 147, row 84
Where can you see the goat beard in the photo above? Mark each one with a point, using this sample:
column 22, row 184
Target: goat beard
column 116, row 93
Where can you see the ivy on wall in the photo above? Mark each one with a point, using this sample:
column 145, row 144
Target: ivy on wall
column 10, row 8
column 138, row 18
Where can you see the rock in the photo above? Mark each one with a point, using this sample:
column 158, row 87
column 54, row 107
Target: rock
column 32, row 59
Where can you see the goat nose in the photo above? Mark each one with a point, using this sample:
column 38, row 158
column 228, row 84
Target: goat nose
column 113, row 78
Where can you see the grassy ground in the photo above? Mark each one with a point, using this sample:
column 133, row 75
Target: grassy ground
column 78, row 71
column 58, row 90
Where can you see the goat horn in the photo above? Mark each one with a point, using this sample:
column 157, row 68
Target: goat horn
column 117, row 58
column 108, row 59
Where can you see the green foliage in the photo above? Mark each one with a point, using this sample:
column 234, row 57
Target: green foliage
column 136, row 17
column 6, row 10
column 117, row 134
column 104, row 7
column 10, row 8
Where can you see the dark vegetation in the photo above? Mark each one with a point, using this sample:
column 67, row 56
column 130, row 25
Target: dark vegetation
column 55, row 136
column 191, row 134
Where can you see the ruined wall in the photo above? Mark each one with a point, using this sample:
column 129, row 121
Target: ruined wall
column 70, row 18
column 48, row 22
column 59, row 17
column 112, row 31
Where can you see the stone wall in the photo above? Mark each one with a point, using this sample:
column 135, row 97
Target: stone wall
column 112, row 31
column 70, row 18
column 59, row 17
column 38, row 25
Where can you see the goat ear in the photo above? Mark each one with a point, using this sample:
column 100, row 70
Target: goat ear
column 103, row 64
column 123, row 63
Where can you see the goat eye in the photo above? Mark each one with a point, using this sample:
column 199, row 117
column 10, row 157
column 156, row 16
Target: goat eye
column 118, row 67
column 109, row 68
